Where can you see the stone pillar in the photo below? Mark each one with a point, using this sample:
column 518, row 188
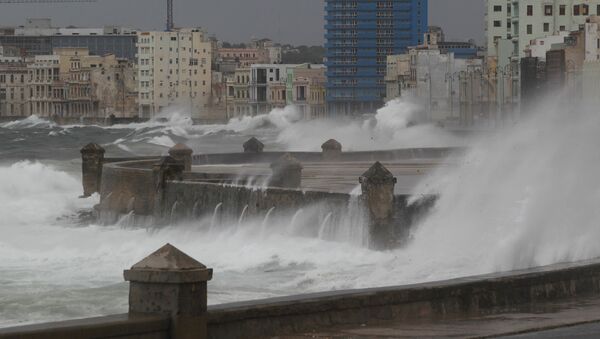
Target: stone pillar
column 170, row 282
column 287, row 172
column 377, row 186
column 92, row 159
column 332, row 150
column 168, row 168
column 182, row 153
column 253, row 145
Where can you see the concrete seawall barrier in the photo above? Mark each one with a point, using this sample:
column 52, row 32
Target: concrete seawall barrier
column 479, row 295
column 158, row 191
column 168, row 301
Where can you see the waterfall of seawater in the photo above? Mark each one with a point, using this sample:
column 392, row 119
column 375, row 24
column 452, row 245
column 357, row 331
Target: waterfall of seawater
column 173, row 216
column 324, row 225
column 265, row 222
column 242, row 215
column 215, row 216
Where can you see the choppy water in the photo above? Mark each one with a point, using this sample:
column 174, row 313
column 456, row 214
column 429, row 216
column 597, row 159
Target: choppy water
column 513, row 202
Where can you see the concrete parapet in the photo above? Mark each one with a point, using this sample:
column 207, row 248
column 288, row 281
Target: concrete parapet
column 170, row 282
column 92, row 158
column 377, row 186
column 287, row 172
column 183, row 153
column 331, row 150
column 253, row 145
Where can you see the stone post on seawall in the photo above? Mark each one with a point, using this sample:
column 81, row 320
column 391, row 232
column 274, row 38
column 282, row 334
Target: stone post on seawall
column 286, row 172
column 377, row 186
column 92, row 159
column 170, row 282
column 182, row 153
column 331, row 150
column 253, row 145
column 168, row 168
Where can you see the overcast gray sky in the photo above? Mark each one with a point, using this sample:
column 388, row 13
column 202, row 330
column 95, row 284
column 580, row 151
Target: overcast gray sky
column 294, row 21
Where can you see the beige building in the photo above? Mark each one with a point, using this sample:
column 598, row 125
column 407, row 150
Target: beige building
column 238, row 93
column 397, row 76
column 13, row 89
column 114, row 83
column 308, row 83
column 72, row 84
column 174, row 72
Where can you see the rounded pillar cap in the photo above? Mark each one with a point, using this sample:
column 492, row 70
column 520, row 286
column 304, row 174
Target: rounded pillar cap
column 331, row 144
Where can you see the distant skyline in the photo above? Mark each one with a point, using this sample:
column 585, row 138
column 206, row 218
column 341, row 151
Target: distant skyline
column 298, row 22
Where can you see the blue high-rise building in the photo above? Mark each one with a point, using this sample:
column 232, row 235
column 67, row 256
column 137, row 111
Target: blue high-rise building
column 360, row 35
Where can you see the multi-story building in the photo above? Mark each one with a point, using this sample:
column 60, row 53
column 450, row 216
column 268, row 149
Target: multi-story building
column 114, row 83
column 71, row 85
column 13, row 89
column 360, row 35
column 397, row 76
column 448, row 87
column 524, row 20
column 263, row 78
column 261, row 88
column 243, row 57
column 174, row 72
column 238, row 93
column 38, row 37
column 306, row 89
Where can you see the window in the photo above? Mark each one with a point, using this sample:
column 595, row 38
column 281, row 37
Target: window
column 529, row 10
column 548, row 10
column 546, row 27
column 586, row 10
column 576, row 10
column 562, row 28
column 529, row 29
column 497, row 8
column 562, row 10
column 497, row 23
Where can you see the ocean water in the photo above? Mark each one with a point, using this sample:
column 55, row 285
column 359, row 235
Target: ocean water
column 524, row 195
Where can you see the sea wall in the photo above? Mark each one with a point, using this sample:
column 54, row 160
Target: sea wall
column 168, row 300
column 192, row 200
column 121, row 326
column 472, row 296
column 126, row 187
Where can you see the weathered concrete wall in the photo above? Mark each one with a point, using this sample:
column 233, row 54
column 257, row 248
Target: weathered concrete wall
column 126, row 187
column 122, row 326
column 487, row 294
column 189, row 200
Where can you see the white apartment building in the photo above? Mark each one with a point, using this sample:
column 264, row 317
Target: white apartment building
column 174, row 72
column 524, row 20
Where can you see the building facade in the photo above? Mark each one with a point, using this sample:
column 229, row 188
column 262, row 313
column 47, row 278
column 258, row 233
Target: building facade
column 38, row 37
column 14, row 93
column 524, row 20
column 238, row 93
column 360, row 35
column 174, row 72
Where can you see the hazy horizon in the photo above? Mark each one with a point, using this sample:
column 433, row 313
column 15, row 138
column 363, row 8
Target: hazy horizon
column 289, row 21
